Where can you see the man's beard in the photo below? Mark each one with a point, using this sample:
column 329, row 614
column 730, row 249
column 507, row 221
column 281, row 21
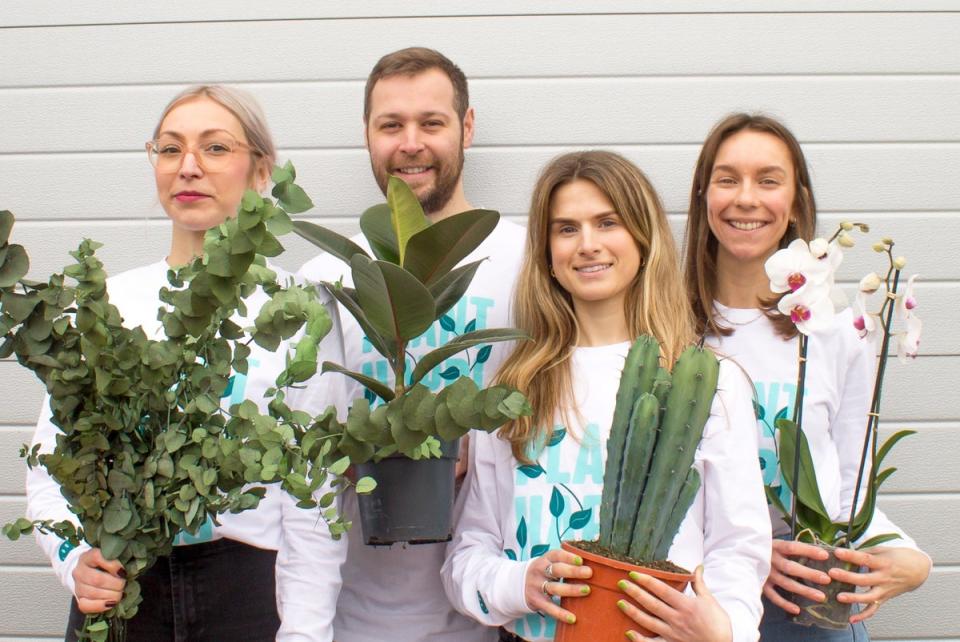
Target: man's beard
column 447, row 177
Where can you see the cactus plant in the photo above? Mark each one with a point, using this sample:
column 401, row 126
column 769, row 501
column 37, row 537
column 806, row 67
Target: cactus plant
column 649, row 482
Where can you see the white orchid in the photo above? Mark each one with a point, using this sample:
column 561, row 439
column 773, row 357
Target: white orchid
column 866, row 322
column 795, row 267
column 908, row 339
column 810, row 309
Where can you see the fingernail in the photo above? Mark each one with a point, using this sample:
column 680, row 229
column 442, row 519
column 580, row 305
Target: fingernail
column 821, row 597
column 622, row 605
column 110, row 605
column 631, row 635
column 122, row 573
column 584, row 590
column 622, row 585
column 577, row 560
column 571, row 619
column 634, row 576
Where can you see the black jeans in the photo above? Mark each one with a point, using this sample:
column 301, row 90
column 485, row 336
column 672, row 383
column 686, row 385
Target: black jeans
column 218, row 591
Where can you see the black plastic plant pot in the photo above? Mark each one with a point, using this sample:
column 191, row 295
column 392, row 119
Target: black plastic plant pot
column 830, row 614
column 413, row 500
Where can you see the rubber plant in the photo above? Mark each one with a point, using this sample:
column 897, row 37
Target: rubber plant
column 649, row 482
column 807, row 278
column 145, row 450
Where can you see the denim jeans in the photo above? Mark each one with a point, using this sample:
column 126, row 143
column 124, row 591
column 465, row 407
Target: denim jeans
column 777, row 627
column 221, row 590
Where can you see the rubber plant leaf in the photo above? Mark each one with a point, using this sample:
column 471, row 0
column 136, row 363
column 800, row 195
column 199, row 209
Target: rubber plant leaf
column 328, row 240
column 375, row 386
column 406, row 215
column 448, row 289
column 348, row 299
column 434, row 358
column 395, row 303
column 376, row 226
column 435, row 250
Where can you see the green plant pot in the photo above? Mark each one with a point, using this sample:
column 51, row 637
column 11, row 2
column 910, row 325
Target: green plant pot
column 830, row 614
column 413, row 500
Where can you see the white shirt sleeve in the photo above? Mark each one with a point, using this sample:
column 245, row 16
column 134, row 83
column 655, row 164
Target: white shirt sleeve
column 737, row 534
column 44, row 501
column 480, row 581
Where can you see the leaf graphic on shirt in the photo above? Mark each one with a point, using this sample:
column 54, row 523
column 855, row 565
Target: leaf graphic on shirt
column 580, row 518
column 483, row 605
column 557, row 437
column 781, row 414
column 512, row 554
column 447, row 323
column 758, row 410
column 450, row 373
column 556, row 503
column 484, row 354
column 522, row 533
column 470, row 327
column 531, row 470
column 539, row 550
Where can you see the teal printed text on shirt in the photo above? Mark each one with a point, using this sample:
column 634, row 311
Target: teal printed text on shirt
column 775, row 400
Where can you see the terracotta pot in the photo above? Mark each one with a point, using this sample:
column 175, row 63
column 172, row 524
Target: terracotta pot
column 598, row 616
column 830, row 614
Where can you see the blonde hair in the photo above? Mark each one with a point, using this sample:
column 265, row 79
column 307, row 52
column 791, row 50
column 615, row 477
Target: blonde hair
column 242, row 105
column 655, row 302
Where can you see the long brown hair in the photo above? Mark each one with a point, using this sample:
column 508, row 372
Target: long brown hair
column 700, row 262
column 655, row 302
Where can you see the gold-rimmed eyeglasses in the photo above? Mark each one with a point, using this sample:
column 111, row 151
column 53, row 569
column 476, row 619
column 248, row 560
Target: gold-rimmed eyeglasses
column 212, row 154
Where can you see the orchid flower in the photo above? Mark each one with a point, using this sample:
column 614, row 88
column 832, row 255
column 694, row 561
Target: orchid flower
column 908, row 341
column 795, row 267
column 866, row 322
column 810, row 309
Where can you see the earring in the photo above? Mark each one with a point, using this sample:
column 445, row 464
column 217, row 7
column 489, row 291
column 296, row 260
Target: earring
column 552, row 273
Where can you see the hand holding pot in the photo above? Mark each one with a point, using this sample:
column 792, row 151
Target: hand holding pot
column 890, row 572
column 783, row 570
column 673, row 615
column 98, row 582
column 544, row 580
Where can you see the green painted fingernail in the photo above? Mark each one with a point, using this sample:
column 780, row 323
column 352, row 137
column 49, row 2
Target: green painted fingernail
column 571, row 619
column 584, row 590
column 622, row 605
column 634, row 576
column 622, row 584
column 577, row 560
column 632, row 635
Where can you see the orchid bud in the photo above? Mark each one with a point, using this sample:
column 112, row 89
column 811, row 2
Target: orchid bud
column 845, row 240
column 818, row 247
column 879, row 247
column 846, row 226
column 863, row 227
column 900, row 262
column 870, row 283
column 886, row 240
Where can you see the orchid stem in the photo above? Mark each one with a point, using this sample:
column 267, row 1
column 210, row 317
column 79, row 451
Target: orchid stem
column 797, row 420
column 873, row 417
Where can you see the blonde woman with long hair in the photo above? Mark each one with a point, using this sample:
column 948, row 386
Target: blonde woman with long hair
column 601, row 269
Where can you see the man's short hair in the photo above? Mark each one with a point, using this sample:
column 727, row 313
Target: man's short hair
column 411, row 62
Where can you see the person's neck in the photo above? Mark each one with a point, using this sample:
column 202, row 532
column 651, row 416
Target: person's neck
column 185, row 245
column 741, row 284
column 458, row 203
column 601, row 323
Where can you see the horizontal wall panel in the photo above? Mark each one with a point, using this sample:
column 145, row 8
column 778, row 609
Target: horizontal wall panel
column 925, row 462
column 54, row 13
column 595, row 111
column 930, row 611
column 848, row 177
column 494, row 46
column 13, row 469
column 931, row 521
column 34, row 602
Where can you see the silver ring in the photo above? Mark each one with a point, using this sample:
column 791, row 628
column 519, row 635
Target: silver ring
column 549, row 572
column 543, row 588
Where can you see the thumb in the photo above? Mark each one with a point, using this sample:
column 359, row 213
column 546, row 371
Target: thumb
column 699, row 586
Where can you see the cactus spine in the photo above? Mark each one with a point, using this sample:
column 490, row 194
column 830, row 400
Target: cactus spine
column 649, row 481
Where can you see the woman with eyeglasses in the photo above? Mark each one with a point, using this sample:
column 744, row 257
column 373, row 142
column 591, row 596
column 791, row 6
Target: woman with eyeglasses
column 264, row 574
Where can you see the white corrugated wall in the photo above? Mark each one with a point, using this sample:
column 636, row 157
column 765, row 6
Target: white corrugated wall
column 871, row 88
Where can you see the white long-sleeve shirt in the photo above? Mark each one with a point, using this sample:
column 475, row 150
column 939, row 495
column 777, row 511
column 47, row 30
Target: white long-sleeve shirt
column 308, row 559
column 837, row 395
column 512, row 513
column 394, row 592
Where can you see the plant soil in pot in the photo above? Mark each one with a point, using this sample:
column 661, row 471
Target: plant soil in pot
column 396, row 510
column 599, row 608
column 830, row 614
column 649, row 483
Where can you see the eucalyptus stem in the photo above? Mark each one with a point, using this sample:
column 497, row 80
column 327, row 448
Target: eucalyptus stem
column 797, row 421
column 873, row 417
